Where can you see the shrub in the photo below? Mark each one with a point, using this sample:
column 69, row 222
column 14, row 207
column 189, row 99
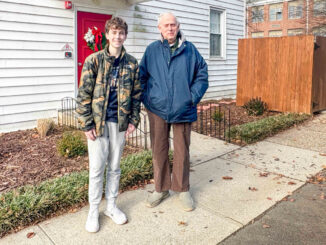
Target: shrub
column 255, row 107
column 72, row 144
column 258, row 130
column 218, row 116
column 44, row 126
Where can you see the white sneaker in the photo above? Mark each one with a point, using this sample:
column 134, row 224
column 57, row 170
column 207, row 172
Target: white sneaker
column 116, row 215
column 92, row 224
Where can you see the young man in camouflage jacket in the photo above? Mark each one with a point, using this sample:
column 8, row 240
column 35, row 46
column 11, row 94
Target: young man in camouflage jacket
column 108, row 110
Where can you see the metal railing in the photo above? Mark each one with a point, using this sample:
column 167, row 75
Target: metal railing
column 213, row 120
column 66, row 115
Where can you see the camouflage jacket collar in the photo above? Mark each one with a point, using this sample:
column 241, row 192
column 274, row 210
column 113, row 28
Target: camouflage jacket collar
column 111, row 59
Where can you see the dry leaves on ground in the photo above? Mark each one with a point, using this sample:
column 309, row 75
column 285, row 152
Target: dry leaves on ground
column 227, row 178
column 182, row 223
column 30, row 235
column 263, row 174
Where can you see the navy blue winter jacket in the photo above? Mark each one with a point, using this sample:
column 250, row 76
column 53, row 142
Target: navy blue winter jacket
column 172, row 85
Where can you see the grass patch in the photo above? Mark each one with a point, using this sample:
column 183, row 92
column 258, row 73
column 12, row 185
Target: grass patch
column 30, row 204
column 258, row 130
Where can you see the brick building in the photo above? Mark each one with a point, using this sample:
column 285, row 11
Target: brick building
column 273, row 18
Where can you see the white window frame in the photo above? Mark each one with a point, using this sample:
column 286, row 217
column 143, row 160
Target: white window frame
column 223, row 33
column 258, row 36
column 296, row 11
column 277, row 10
column 295, row 31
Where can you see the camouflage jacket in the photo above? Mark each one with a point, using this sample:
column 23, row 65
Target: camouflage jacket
column 94, row 89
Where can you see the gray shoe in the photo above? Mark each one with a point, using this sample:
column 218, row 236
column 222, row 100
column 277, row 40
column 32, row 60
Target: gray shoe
column 156, row 198
column 186, row 201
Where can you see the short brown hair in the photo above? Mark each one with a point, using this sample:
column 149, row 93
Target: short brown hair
column 116, row 23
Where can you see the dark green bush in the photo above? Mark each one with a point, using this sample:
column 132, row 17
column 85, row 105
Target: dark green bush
column 218, row 116
column 72, row 144
column 254, row 131
column 255, row 107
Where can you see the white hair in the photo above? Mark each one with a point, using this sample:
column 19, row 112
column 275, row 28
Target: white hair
column 159, row 18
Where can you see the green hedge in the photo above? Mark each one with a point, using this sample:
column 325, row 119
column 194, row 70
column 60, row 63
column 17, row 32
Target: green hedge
column 28, row 204
column 258, row 130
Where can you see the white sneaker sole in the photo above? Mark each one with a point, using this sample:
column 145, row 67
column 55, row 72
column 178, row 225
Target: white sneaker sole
column 106, row 213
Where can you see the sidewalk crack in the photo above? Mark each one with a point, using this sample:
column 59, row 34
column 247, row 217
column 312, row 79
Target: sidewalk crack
column 46, row 234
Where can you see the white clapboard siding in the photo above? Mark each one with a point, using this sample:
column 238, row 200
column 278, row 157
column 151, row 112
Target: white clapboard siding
column 34, row 76
column 31, row 81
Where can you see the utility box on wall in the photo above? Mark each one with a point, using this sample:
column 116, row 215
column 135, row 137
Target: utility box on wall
column 288, row 73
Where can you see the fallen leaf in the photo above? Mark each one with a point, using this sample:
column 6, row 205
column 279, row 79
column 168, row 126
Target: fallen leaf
column 161, row 212
column 291, row 183
column 263, row 174
column 269, row 198
column 323, row 166
column 30, row 234
column 266, row 226
column 322, row 196
column 182, row 223
column 322, row 154
column 227, row 178
column 35, row 136
column 253, row 188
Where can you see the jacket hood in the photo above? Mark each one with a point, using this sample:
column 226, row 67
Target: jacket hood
column 180, row 36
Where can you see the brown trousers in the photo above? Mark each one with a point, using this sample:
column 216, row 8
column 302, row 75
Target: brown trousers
column 159, row 135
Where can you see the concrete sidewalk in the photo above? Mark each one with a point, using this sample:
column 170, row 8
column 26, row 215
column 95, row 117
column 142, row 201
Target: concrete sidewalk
column 262, row 174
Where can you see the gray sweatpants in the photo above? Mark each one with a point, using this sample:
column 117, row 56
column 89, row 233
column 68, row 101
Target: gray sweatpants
column 105, row 151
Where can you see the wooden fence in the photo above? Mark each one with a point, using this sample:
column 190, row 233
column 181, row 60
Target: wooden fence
column 288, row 73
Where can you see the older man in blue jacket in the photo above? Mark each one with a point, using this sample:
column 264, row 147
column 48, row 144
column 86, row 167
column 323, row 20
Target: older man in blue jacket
column 174, row 79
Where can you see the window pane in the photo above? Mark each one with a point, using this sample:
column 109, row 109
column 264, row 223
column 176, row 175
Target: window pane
column 215, row 45
column 275, row 12
column 215, row 25
column 295, row 32
column 275, row 33
column 319, row 7
column 295, row 9
column 257, row 14
column 257, row 34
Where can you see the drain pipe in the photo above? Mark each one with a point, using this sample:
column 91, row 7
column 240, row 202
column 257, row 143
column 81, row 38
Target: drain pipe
column 307, row 16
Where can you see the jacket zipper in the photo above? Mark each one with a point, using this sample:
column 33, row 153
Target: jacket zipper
column 106, row 97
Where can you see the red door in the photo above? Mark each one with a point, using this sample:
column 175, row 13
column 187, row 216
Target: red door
column 87, row 20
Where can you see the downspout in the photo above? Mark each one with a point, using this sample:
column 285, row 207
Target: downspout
column 246, row 17
column 307, row 17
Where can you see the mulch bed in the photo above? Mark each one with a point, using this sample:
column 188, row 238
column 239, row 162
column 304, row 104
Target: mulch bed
column 237, row 116
column 26, row 158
